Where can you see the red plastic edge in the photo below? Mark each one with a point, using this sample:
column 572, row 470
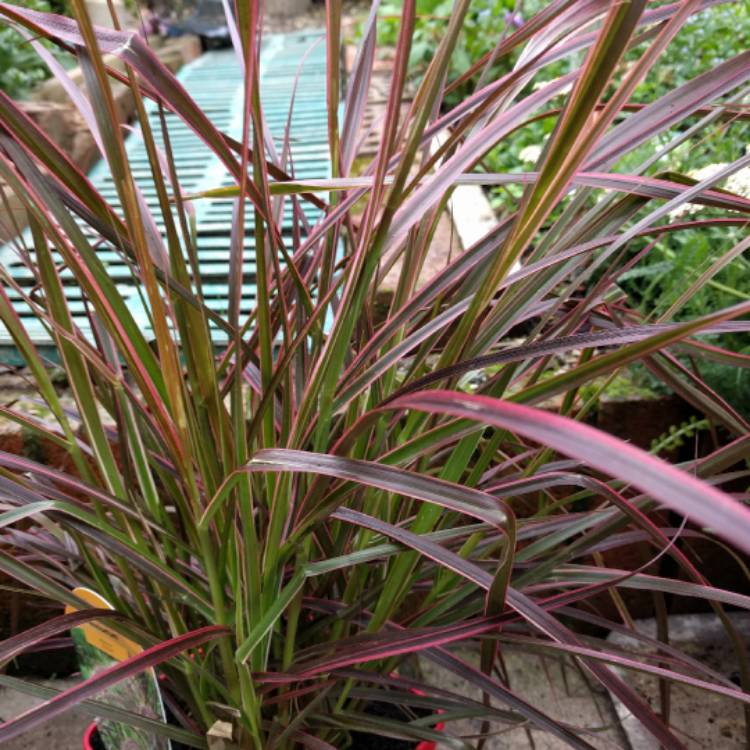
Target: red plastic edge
column 91, row 728
column 424, row 745
column 427, row 744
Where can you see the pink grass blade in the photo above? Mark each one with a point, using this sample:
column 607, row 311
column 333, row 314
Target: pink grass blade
column 449, row 495
column 358, row 87
column 614, row 337
column 677, row 490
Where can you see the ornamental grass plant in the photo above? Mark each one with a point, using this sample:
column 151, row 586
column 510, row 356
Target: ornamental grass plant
column 284, row 506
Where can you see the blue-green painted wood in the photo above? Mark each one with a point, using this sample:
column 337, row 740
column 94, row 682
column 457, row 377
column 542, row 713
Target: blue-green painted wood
column 214, row 81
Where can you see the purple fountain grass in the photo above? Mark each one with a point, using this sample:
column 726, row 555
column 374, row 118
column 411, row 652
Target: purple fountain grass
column 280, row 504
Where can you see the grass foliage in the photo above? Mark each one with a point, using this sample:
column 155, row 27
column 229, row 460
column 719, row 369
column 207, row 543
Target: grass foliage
column 284, row 507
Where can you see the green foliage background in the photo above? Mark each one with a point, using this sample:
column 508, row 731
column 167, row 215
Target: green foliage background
column 710, row 37
column 20, row 67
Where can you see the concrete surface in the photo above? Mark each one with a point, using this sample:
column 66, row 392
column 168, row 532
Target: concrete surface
column 552, row 684
column 63, row 733
column 699, row 718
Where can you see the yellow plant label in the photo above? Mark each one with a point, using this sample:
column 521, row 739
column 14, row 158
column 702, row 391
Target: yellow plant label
column 98, row 635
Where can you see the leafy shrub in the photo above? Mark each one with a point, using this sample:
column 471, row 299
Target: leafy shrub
column 711, row 36
column 485, row 22
column 20, row 67
column 283, row 503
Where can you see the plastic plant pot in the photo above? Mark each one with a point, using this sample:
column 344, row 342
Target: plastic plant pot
column 91, row 732
column 87, row 736
column 426, row 744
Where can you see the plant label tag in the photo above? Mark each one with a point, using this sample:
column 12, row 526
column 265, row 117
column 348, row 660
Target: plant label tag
column 99, row 635
column 99, row 647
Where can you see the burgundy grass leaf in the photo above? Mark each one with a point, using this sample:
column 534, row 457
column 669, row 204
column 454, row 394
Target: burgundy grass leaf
column 560, row 344
column 358, row 87
column 683, row 493
column 383, row 645
column 449, row 495
column 669, row 109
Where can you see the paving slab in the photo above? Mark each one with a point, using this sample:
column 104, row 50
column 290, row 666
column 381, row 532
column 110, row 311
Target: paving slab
column 554, row 685
column 701, row 719
column 63, row 733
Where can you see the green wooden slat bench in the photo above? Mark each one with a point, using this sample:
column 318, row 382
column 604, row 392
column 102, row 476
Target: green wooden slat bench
column 214, row 80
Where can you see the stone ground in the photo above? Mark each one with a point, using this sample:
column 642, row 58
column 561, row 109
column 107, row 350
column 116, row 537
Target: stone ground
column 699, row 718
column 561, row 691
column 551, row 684
column 63, row 733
